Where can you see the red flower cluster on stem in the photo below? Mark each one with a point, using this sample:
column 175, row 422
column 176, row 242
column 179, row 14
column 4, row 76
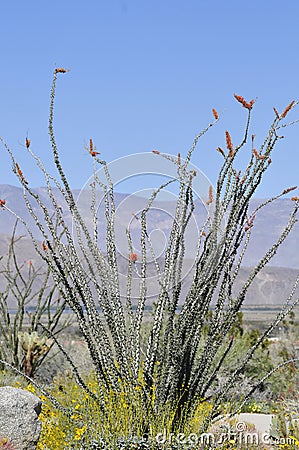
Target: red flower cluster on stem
column 247, row 105
column 92, row 149
column 20, row 173
column 257, row 155
column 215, row 114
column 287, row 190
column 133, row 257
column 229, row 144
column 210, row 199
column 61, row 70
column 287, row 109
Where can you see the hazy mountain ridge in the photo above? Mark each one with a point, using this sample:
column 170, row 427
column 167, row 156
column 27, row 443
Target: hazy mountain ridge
column 271, row 286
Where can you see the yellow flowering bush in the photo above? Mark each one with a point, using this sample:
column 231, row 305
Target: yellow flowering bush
column 86, row 422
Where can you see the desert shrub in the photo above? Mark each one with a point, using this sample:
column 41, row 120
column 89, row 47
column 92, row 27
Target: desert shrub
column 186, row 351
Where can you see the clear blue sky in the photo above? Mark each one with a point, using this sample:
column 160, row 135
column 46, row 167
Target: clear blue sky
column 144, row 75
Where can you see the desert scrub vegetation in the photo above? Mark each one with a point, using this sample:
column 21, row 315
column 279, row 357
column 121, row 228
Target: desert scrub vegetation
column 87, row 427
column 182, row 366
column 29, row 298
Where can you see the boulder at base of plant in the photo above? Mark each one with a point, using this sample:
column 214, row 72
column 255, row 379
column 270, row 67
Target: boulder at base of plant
column 19, row 423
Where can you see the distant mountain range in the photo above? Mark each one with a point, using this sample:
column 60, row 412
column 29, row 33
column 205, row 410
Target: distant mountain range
column 271, row 286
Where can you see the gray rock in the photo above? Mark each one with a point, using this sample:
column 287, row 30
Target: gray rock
column 19, row 411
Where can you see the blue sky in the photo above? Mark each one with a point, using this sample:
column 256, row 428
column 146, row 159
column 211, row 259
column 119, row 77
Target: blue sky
column 144, row 75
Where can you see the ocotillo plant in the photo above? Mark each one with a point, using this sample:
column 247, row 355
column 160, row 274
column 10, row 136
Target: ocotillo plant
column 184, row 352
column 28, row 299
